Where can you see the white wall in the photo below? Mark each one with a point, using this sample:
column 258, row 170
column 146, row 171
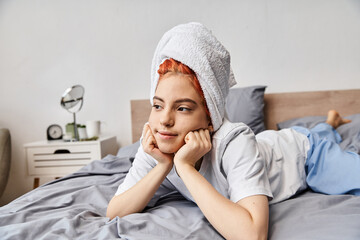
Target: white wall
column 107, row 46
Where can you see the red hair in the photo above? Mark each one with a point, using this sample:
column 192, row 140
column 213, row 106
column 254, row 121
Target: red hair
column 173, row 66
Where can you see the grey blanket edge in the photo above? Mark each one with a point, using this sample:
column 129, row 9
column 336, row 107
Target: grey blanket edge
column 74, row 207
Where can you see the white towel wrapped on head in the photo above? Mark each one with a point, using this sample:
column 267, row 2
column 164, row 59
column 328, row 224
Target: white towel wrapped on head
column 194, row 45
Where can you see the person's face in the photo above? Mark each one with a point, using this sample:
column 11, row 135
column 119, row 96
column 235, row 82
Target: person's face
column 177, row 110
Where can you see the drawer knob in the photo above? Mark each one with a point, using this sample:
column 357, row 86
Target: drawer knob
column 61, row 151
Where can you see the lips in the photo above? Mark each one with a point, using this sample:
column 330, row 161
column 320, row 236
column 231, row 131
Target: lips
column 166, row 135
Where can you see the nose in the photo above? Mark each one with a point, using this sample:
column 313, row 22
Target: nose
column 166, row 118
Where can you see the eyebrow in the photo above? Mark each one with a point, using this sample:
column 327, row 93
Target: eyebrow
column 181, row 100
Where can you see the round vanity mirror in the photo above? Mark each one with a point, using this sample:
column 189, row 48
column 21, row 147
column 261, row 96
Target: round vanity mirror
column 72, row 100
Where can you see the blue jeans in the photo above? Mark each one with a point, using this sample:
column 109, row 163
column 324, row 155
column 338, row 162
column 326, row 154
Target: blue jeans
column 329, row 169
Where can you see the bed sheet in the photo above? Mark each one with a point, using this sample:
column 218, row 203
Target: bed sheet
column 74, row 207
column 316, row 216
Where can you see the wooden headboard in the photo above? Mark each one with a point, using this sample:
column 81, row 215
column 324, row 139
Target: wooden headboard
column 278, row 107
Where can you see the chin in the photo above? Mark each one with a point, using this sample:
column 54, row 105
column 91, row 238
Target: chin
column 168, row 148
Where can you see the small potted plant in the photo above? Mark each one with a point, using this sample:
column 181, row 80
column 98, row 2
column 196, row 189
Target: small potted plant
column 82, row 132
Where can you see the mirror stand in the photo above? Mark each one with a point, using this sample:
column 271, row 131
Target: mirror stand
column 76, row 129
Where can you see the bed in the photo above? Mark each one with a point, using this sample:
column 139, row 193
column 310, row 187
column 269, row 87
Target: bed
column 74, row 207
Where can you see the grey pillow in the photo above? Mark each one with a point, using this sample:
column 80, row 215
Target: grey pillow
column 350, row 132
column 247, row 105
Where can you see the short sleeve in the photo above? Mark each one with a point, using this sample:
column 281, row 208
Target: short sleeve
column 244, row 168
column 142, row 165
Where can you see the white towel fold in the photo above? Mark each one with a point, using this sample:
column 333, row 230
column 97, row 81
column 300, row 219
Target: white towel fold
column 194, row 45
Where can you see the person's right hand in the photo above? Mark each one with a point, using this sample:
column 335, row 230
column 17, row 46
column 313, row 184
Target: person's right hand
column 151, row 148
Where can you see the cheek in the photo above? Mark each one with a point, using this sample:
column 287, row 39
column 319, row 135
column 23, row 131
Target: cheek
column 152, row 120
column 199, row 122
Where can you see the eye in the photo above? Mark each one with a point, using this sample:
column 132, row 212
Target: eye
column 156, row 106
column 184, row 109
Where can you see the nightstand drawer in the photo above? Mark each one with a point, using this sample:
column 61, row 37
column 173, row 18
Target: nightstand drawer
column 60, row 160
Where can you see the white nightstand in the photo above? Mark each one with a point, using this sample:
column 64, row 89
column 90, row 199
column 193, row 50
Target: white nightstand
column 54, row 159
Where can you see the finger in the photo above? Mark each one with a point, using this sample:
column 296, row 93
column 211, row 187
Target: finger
column 150, row 141
column 208, row 140
column 202, row 134
column 153, row 141
column 149, row 144
column 148, row 137
column 197, row 134
column 145, row 129
column 197, row 138
column 149, row 132
column 146, row 133
column 145, row 141
column 144, row 136
column 188, row 137
column 207, row 135
column 151, row 136
column 200, row 139
column 205, row 138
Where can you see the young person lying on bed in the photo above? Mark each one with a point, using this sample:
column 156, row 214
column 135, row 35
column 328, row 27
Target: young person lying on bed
column 231, row 174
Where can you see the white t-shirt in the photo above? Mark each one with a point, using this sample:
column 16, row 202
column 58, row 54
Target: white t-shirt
column 285, row 153
column 234, row 167
column 239, row 165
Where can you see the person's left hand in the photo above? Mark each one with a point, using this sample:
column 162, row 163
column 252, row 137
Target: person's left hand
column 197, row 144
